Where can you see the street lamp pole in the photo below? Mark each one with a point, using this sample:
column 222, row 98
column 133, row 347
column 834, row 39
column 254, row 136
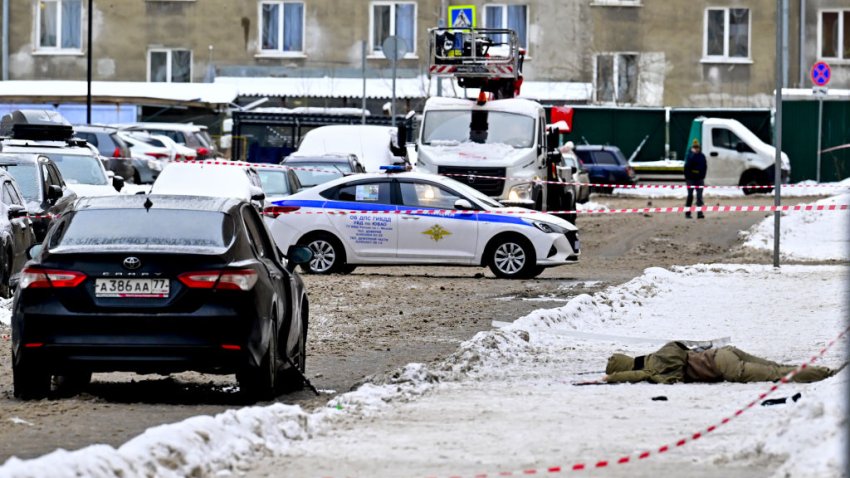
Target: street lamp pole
column 90, row 14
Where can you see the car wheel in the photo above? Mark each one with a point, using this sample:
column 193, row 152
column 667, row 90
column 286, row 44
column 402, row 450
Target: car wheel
column 30, row 381
column 259, row 383
column 328, row 255
column 292, row 380
column 753, row 178
column 513, row 258
column 72, row 383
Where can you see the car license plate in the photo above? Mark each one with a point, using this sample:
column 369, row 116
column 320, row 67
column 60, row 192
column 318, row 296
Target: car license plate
column 144, row 288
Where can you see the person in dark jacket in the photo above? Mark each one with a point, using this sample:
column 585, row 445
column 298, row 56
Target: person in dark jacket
column 695, row 170
column 674, row 362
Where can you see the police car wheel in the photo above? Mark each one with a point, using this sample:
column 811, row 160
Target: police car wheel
column 513, row 258
column 328, row 255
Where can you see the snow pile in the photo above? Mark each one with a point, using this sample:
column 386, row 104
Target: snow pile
column 812, row 434
column 6, row 312
column 807, row 235
column 592, row 206
column 801, row 189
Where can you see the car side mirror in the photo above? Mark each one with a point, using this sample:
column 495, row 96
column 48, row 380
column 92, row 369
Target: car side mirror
column 16, row 211
column 118, row 183
column 463, row 205
column 34, row 251
column 297, row 255
column 54, row 193
column 740, row 147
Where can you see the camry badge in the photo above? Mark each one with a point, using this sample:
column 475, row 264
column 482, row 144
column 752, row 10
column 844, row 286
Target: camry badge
column 132, row 263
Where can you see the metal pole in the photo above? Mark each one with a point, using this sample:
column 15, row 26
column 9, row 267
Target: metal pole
column 5, row 40
column 363, row 67
column 820, row 132
column 802, row 53
column 395, row 64
column 90, row 14
column 785, row 61
column 777, row 141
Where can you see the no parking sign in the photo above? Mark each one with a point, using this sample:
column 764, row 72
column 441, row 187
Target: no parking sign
column 821, row 73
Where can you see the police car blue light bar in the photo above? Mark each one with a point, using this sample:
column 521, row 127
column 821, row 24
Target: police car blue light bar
column 393, row 168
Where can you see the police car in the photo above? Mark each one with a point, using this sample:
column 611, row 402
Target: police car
column 404, row 218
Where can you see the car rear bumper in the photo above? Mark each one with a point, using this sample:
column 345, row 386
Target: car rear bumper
column 150, row 343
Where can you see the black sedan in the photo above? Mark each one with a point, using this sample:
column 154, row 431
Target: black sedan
column 160, row 284
column 42, row 186
column 16, row 234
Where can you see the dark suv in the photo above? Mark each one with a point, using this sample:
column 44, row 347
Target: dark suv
column 42, row 187
column 606, row 165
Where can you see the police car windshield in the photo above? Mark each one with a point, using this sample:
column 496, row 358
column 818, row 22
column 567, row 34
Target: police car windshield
column 26, row 176
column 453, row 127
column 77, row 169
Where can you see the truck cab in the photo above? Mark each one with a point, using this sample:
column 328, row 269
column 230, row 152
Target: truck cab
column 497, row 144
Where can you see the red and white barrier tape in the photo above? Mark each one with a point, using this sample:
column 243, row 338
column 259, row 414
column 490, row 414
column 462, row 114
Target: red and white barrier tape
column 639, row 210
column 646, row 186
column 635, row 457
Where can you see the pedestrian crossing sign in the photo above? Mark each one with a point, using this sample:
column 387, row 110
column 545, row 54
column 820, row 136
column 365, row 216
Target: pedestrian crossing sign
column 462, row 16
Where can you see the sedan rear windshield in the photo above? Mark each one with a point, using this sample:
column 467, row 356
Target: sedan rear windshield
column 139, row 228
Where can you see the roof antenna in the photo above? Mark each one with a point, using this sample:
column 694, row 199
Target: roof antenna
column 148, row 204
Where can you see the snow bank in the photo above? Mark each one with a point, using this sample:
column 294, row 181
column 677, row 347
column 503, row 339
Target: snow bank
column 592, row 206
column 801, row 189
column 807, row 235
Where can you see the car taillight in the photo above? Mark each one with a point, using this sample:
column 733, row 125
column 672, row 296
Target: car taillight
column 47, row 278
column 275, row 211
column 117, row 152
column 202, row 151
column 240, row 279
column 157, row 155
column 189, row 158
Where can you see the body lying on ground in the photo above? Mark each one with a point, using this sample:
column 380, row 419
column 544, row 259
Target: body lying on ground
column 674, row 362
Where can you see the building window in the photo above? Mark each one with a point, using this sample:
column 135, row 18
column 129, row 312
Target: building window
column 834, row 34
column 393, row 18
column 170, row 66
column 512, row 17
column 727, row 34
column 281, row 27
column 616, row 78
column 59, row 24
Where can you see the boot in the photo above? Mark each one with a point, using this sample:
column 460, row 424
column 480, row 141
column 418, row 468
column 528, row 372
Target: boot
column 700, row 215
column 687, row 215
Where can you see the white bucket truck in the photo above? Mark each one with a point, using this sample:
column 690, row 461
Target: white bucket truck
column 497, row 144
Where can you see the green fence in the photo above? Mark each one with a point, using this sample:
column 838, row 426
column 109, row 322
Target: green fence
column 626, row 128
column 800, row 138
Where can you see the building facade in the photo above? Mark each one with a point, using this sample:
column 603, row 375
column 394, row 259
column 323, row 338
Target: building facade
column 634, row 52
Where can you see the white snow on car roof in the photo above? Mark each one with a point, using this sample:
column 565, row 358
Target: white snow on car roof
column 512, row 105
column 198, row 179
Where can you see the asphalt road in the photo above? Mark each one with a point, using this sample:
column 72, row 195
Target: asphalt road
column 378, row 319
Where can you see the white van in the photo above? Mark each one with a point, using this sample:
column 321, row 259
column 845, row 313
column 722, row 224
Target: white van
column 372, row 144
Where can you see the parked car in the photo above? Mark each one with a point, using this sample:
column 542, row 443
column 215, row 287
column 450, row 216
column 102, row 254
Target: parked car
column 277, row 182
column 111, row 146
column 317, row 169
column 160, row 284
column 148, row 159
column 452, row 224
column 41, row 184
column 181, row 152
column 606, row 165
column 47, row 133
column 190, row 135
column 580, row 175
column 373, row 145
column 16, row 234
column 211, row 180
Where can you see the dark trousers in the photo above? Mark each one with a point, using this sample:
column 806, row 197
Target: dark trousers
column 694, row 182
